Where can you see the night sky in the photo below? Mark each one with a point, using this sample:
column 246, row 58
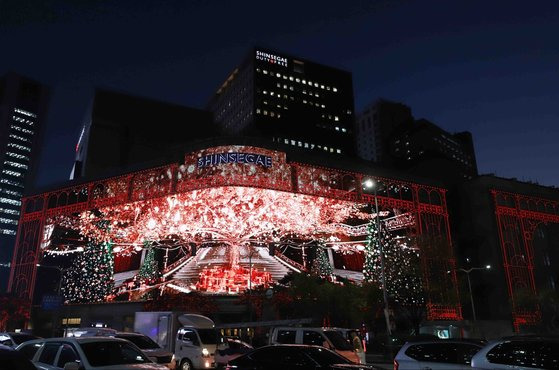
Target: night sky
column 489, row 67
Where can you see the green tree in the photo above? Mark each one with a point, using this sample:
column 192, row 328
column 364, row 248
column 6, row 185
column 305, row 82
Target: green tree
column 150, row 268
column 91, row 277
column 321, row 265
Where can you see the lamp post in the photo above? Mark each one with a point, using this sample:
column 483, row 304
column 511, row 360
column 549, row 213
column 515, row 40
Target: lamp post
column 467, row 272
column 371, row 184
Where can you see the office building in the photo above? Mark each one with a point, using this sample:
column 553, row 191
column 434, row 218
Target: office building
column 23, row 104
column 387, row 133
column 288, row 100
column 123, row 131
column 375, row 127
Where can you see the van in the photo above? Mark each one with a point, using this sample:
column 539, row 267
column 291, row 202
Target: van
column 326, row 337
column 195, row 343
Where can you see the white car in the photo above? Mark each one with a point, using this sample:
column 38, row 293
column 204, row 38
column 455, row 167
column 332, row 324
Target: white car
column 150, row 348
column 14, row 339
column 519, row 353
column 88, row 353
column 440, row 354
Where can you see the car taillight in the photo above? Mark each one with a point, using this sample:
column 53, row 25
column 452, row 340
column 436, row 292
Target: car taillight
column 396, row 365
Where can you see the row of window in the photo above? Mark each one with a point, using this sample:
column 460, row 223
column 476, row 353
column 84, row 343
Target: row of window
column 12, row 173
column 266, row 113
column 17, row 156
column 21, row 129
column 11, row 192
column 20, row 147
column 7, row 232
column 305, row 145
column 15, row 164
column 7, row 221
column 23, row 120
column 13, row 202
column 296, row 79
column 25, row 113
column 21, row 138
column 11, row 182
column 9, row 211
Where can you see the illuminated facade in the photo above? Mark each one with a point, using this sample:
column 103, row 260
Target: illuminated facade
column 226, row 225
column 22, row 112
column 288, row 100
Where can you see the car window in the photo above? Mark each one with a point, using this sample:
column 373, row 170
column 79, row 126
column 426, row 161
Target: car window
column 190, row 335
column 433, row 352
column 67, row 354
column 465, row 352
column 49, row 353
column 29, row 350
column 112, row 353
column 142, row 341
column 531, row 354
column 313, row 337
column 338, row 340
column 6, row 341
column 282, row 355
column 325, row 357
column 19, row 338
column 286, row 336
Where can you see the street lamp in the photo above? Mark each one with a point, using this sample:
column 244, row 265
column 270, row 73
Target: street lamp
column 467, row 272
column 368, row 184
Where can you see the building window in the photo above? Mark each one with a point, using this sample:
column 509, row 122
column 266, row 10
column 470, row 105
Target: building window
column 334, row 89
column 25, row 113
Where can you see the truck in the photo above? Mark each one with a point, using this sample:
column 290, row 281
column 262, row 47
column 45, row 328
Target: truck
column 191, row 338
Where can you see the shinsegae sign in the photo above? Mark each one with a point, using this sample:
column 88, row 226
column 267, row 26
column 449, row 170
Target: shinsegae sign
column 223, row 158
column 271, row 58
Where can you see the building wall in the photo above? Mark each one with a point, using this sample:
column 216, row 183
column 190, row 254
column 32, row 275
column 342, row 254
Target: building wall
column 23, row 106
column 288, row 100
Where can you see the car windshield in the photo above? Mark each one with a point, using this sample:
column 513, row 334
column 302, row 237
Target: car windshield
column 106, row 353
column 20, row 338
column 142, row 341
column 208, row 336
column 338, row 340
column 325, row 357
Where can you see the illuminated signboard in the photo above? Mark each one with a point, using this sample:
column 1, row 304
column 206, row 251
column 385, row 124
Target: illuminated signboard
column 271, row 58
column 221, row 158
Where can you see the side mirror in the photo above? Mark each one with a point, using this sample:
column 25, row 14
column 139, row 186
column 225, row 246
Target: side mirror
column 72, row 366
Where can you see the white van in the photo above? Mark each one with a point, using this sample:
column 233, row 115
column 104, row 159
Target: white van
column 196, row 343
column 326, row 337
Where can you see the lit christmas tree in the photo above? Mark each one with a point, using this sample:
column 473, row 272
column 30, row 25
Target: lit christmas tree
column 150, row 267
column 371, row 266
column 91, row 277
column 401, row 266
column 321, row 265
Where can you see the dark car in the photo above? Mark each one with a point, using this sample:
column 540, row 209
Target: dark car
column 293, row 357
column 11, row 339
column 11, row 359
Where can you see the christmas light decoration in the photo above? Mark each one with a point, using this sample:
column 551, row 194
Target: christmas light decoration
column 149, row 270
column 321, row 264
column 90, row 279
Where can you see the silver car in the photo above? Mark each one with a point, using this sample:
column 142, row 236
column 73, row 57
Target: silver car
column 91, row 353
column 12, row 339
column 436, row 355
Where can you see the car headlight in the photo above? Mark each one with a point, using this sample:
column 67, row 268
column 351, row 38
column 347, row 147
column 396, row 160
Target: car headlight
column 205, row 352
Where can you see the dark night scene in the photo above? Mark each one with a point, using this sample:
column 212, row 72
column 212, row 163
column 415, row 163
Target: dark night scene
column 367, row 184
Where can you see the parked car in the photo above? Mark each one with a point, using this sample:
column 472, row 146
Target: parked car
column 437, row 354
column 10, row 359
column 150, row 348
column 329, row 338
column 229, row 349
column 292, row 357
column 519, row 353
column 11, row 339
column 145, row 343
column 87, row 353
